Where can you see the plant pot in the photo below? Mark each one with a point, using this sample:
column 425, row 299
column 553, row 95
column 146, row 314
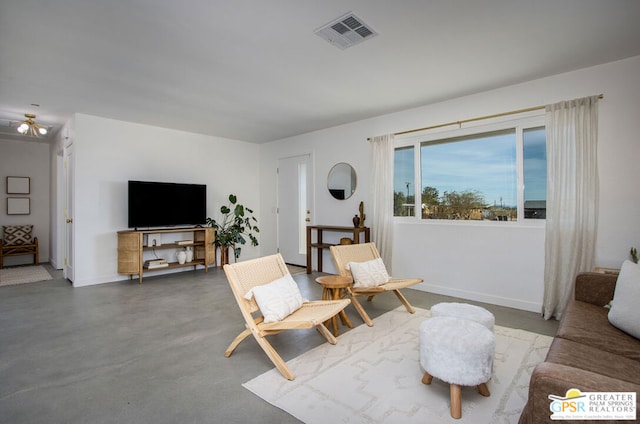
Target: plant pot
column 224, row 255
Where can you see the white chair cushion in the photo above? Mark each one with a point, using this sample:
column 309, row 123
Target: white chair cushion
column 625, row 313
column 368, row 274
column 277, row 299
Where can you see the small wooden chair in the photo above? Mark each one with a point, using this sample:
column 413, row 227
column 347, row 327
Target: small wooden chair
column 17, row 240
column 243, row 276
column 363, row 252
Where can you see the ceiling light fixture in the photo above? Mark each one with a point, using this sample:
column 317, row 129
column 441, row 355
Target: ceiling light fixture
column 29, row 127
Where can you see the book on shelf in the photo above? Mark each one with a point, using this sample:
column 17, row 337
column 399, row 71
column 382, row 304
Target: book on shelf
column 184, row 242
column 157, row 265
column 156, row 261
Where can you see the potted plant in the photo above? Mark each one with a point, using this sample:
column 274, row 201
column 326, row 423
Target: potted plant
column 237, row 222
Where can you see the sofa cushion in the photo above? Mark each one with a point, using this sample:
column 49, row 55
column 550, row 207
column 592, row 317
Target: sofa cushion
column 595, row 287
column 589, row 358
column 625, row 313
column 588, row 324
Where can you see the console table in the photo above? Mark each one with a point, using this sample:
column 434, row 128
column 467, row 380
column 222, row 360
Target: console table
column 131, row 247
column 320, row 244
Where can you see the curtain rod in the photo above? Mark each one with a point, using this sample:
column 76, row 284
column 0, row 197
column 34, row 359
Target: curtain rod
column 464, row 121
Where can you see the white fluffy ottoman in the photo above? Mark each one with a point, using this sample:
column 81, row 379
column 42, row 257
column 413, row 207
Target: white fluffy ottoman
column 464, row 311
column 459, row 352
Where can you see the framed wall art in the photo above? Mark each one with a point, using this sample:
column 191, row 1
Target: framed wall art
column 18, row 206
column 18, row 185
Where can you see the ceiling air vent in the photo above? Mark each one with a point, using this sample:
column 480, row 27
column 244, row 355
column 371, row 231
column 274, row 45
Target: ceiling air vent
column 345, row 31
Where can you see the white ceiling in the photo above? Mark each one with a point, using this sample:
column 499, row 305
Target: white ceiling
column 253, row 70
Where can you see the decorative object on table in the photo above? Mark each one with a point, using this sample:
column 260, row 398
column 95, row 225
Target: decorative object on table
column 363, row 216
column 346, row 240
column 236, row 223
column 634, row 254
column 356, row 221
column 181, row 255
column 189, row 251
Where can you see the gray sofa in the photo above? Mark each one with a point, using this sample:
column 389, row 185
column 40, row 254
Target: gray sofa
column 587, row 353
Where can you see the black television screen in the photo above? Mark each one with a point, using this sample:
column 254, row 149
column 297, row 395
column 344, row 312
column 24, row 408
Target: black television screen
column 157, row 204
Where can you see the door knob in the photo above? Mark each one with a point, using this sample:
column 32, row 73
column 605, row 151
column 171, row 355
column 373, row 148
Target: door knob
column 308, row 219
column 69, row 220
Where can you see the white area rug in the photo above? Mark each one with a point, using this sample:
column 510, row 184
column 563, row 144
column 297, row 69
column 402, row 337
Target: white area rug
column 373, row 375
column 23, row 274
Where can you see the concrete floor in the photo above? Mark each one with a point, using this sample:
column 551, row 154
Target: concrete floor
column 153, row 353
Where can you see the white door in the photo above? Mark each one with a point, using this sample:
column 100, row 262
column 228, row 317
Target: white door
column 295, row 204
column 68, row 212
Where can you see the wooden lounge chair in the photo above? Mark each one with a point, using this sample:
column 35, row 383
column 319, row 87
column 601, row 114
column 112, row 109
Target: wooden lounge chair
column 243, row 276
column 364, row 252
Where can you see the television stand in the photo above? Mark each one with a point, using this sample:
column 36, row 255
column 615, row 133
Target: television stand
column 131, row 250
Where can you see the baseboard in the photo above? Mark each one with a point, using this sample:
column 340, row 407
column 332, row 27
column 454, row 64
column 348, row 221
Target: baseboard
column 121, row 277
column 55, row 265
column 481, row 297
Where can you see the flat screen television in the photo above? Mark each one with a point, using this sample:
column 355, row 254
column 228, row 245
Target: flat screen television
column 158, row 204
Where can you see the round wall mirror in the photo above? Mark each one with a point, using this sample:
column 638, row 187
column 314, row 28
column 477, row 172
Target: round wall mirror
column 342, row 181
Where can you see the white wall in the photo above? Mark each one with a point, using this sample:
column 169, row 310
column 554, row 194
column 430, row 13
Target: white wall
column 108, row 153
column 27, row 159
column 501, row 265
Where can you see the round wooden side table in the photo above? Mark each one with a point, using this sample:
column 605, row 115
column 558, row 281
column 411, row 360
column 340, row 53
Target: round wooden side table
column 332, row 287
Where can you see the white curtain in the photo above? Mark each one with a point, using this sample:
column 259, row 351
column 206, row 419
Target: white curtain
column 381, row 195
column 572, row 198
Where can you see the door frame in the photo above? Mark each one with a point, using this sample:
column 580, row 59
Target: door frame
column 311, row 199
column 67, row 218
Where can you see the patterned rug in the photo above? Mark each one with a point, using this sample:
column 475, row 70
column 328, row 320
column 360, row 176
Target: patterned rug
column 23, row 274
column 373, row 375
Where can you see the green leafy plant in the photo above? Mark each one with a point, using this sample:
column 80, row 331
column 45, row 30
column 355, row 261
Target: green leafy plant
column 236, row 223
column 634, row 254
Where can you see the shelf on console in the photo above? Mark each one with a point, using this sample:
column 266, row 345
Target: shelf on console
column 131, row 249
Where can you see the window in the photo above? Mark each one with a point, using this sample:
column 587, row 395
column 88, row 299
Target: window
column 403, row 182
column 470, row 177
column 496, row 174
column 535, row 173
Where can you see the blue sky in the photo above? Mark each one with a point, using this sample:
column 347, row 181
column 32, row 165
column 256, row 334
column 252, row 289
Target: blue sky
column 484, row 164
